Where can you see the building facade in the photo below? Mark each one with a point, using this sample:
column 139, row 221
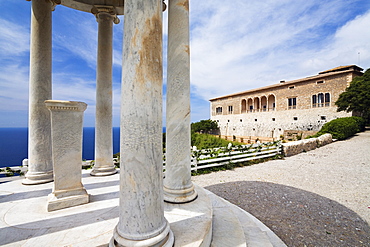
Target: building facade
column 298, row 107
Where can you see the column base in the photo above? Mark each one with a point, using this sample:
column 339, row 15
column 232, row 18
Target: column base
column 103, row 171
column 33, row 178
column 179, row 196
column 164, row 239
column 67, row 199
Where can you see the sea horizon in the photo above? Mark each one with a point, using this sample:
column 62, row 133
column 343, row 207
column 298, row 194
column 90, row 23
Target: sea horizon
column 14, row 144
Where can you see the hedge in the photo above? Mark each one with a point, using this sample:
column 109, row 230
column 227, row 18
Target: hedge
column 342, row 128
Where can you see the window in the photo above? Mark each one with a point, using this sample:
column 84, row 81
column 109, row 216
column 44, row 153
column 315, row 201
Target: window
column 292, row 103
column 273, row 119
column 327, row 99
column 241, row 120
column 218, row 110
column 255, row 120
column 314, row 100
column 291, row 87
column 321, row 100
column 323, row 118
column 295, row 118
column 244, row 106
column 230, row 108
column 320, row 82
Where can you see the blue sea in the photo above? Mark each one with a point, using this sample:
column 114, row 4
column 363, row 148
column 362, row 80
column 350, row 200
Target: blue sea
column 14, row 144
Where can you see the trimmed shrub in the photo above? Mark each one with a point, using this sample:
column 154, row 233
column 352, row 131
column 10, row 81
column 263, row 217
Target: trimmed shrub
column 341, row 128
column 361, row 122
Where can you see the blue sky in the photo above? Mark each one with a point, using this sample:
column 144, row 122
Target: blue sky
column 235, row 46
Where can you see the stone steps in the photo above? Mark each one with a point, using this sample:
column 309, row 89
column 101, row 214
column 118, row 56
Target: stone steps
column 226, row 227
column 232, row 226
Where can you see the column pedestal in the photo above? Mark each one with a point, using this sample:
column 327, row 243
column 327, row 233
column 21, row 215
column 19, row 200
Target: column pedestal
column 66, row 122
column 178, row 187
column 40, row 167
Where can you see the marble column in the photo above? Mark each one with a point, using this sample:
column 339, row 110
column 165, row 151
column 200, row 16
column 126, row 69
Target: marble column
column 104, row 165
column 66, row 122
column 141, row 218
column 40, row 167
column 178, row 187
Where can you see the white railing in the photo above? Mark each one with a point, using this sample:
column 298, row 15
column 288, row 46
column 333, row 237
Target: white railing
column 208, row 158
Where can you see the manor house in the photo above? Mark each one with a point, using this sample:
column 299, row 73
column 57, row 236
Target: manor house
column 289, row 108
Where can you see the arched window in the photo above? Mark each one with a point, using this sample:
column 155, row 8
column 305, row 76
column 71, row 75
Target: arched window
column 314, row 100
column 218, row 110
column 256, row 104
column 250, row 105
column 264, row 103
column 244, row 106
column 271, row 102
column 327, row 99
column 320, row 100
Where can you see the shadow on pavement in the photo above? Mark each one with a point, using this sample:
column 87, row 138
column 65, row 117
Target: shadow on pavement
column 298, row 217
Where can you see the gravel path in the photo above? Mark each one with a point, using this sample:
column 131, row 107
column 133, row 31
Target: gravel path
column 318, row 198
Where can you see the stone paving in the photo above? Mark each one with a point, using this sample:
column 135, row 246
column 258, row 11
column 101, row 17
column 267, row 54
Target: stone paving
column 317, row 198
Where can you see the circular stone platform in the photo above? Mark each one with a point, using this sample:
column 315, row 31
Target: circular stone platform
column 26, row 222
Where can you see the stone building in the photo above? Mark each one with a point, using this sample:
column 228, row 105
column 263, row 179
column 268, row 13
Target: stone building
column 293, row 109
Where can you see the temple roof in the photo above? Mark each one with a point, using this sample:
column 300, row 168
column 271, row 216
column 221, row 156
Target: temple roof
column 87, row 5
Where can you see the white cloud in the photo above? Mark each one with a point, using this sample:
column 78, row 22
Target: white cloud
column 244, row 45
column 14, row 39
column 13, row 87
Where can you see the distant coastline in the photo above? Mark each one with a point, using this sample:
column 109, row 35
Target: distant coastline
column 14, row 144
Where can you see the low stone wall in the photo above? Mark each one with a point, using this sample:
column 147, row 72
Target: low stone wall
column 296, row 147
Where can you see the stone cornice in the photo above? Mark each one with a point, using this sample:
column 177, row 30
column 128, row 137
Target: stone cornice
column 61, row 105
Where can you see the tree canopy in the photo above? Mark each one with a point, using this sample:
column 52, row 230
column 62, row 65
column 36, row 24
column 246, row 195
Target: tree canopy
column 356, row 98
column 204, row 126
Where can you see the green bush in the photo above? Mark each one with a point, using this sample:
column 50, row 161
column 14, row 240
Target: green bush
column 203, row 141
column 361, row 122
column 342, row 128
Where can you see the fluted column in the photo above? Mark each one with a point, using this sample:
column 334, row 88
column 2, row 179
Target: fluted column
column 103, row 122
column 141, row 218
column 40, row 167
column 178, row 187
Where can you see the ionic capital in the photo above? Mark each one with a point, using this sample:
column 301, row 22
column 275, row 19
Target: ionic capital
column 100, row 10
column 53, row 3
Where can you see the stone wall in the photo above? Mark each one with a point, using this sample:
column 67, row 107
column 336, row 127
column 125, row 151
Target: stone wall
column 296, row 147
column 272, row 124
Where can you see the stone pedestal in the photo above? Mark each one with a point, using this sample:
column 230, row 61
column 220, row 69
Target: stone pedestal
column 66, row 122
column 178, row 187
column 40, row 167
column 103, row 125
column 141, row 218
